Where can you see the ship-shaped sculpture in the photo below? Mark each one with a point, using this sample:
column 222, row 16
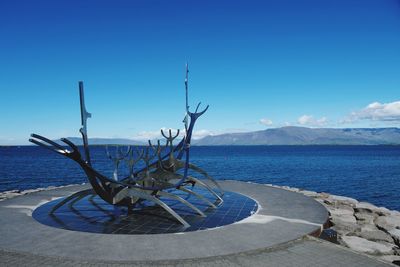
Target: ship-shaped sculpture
column 165, row 167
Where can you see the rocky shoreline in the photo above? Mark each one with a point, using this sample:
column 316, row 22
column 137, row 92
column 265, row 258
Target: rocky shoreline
column 360, row 226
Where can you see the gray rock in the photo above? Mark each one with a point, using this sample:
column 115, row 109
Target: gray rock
column 321, row 201
column 368, row 207
column 341, row 231
column 395, row 233
column 309, row 193
column 343, row 220
column 395, row 212
column 371, row 233
column 334, row 200
column 342, row 211
column 388, row 223
column 293, row 189
column 365, row 246
column 390, row 258
column 365, row 217
column 396, row 251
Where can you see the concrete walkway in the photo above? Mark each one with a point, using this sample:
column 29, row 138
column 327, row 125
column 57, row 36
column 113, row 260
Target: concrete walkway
column 277, row 235
column 307, row 252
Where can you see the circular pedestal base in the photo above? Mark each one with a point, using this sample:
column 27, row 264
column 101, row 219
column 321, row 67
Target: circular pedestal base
column 282, row 216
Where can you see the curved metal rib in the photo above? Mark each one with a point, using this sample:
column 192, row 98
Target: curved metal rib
column 93, row 202
column 183, row 201
column 199, row 196
column 205, row 174
column 129, row 192
column 42, row 138
column 197, row 181
column 84, row 194
column 124, row 193
column 66, row 200
column 48, row 144
column 145, row 196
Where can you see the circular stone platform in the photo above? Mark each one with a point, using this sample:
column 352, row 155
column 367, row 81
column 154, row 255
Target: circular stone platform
column 282, row 216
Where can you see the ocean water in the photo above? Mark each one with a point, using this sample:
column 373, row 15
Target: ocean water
column 367, row 173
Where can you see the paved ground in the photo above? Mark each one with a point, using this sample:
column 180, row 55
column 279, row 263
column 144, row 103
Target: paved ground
column 282, row 216
column 307, row 252
column 275, row 236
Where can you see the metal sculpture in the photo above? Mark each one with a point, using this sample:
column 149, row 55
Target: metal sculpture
column 119, row 156
column 160, row 172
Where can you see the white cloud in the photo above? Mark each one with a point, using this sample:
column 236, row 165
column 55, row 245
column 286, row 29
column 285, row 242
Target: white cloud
column 311, row 121
column 154, row 135
column 202, row 133
column 151, row 135
column 266, row 122
column 376, row 112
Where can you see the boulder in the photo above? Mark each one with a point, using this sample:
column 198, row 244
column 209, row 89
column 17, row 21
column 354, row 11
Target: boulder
column 368, row 207
column 342, row 211
column 335, row 200
column 309, row 193
column 341, row 231
column 391, row 258
column 371, row 233
column 321, row 201
column 293, row 189
column 388, row 222
column 396, row 251
column 395, row 233
column 365, row 217
column 323, row 195
column 395, row 212
column 343, row 220
column 365, row 246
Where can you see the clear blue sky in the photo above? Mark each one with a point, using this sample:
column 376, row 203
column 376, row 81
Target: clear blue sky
column 258, row 64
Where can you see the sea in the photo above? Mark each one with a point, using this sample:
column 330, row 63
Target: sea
column 366, row 173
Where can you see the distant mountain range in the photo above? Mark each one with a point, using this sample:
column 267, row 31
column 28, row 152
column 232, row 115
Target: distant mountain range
column 306, row 136
column 290, row 135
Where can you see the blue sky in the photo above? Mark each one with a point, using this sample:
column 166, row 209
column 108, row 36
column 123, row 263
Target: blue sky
column 258, row 64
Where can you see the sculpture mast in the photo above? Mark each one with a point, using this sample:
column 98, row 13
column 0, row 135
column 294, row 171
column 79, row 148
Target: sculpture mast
column 187, row 99
column 84, row 116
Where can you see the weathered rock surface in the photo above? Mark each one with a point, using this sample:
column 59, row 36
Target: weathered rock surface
column 342, row 211
column 333, row 199
column 362, row 226
column 368, row 207
column 363, row 245
column 370, row 232
column 395, row 233
column 343, row 220
column 391, row 258
column 309, row 193
column 389, row 222
column 365, row 217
